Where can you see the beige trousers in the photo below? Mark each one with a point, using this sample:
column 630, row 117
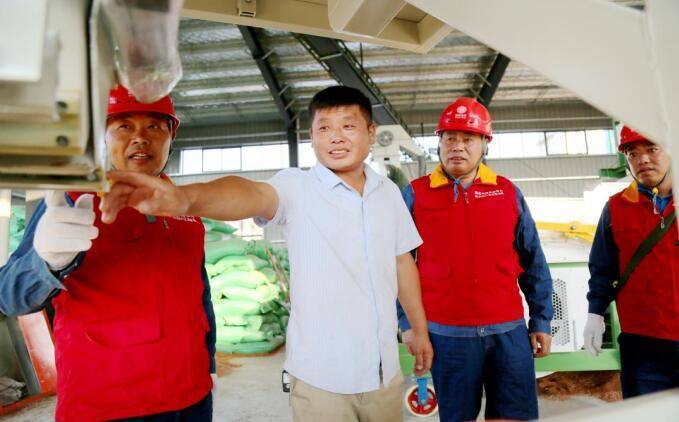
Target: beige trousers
column 311, row 404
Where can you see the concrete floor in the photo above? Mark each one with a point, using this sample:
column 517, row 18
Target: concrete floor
column 251, row 393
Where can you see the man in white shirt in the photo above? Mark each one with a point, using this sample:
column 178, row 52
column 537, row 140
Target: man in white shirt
column 349, row 235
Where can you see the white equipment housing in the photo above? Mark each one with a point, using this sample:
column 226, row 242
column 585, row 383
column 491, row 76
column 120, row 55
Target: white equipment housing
column 55, row 75
column 567, row 259
column 390, row 140
column 51, row 120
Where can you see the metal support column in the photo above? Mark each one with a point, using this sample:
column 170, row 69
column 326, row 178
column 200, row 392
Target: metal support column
column 280, row 93
column 293, row 154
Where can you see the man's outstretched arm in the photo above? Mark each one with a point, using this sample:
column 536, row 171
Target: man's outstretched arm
column 227, row 198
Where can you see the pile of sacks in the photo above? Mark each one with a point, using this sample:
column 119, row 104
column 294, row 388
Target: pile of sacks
column 10, row 391
column 248, row 295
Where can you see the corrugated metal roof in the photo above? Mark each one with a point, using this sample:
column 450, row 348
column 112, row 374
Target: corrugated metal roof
column 222, row 83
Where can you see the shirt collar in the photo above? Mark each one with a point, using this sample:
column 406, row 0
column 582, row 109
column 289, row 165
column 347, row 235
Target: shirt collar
column 439, row 178
column 326, row 176
column 329, row 179
column 631, row 192
column 372, row 180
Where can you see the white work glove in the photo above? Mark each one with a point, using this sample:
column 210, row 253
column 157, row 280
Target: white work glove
column 594, row 333
column 64, row 231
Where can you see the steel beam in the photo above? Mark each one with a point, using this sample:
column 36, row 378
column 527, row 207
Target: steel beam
column 251, row 39
column 278, row 92
column 343, row 66
column 492, row 81
column 293, row 155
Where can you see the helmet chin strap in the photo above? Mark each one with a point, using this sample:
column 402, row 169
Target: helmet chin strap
column 654, row 188
column 167, row 161
column 170, row 123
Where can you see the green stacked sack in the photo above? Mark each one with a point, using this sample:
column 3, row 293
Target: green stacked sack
column 217, row 230
column 259, row 249
column 249, row 304
column 17, row 226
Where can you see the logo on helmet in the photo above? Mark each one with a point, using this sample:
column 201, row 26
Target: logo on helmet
column 461, row 112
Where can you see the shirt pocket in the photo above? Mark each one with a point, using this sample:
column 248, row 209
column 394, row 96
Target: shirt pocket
column 431, row 268
column 432, row 216
column 130, row 332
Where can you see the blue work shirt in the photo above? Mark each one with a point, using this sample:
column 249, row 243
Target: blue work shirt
column 534, row 281
column 27, row 284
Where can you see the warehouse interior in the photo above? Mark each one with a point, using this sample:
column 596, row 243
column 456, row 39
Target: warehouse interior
column 249, row 70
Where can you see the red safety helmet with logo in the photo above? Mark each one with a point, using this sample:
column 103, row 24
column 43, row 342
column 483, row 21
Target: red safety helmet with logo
column 121, row 100
column 466, row 115
column 629, row 136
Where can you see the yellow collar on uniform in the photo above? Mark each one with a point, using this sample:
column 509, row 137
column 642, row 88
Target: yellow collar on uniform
column 438, row 177
column 631, row 192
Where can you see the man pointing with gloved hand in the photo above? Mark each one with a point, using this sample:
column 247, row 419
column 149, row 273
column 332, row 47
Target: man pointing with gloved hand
column 134, row 328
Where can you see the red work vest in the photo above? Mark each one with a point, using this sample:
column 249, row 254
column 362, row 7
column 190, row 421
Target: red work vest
column 468, row 265
column 648, row 304
column 130, row 328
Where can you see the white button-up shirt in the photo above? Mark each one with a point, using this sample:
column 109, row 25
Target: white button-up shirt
column 342, row 249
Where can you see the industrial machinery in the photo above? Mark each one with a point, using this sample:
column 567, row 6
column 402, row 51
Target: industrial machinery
column 391, row 141
column 566, row 247
column 58, row 64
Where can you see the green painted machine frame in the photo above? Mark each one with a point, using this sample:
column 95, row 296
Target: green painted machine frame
column 581, row 360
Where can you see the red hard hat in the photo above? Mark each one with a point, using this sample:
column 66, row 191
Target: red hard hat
column 121, row 100
column 629, row 136
column 466, row 115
